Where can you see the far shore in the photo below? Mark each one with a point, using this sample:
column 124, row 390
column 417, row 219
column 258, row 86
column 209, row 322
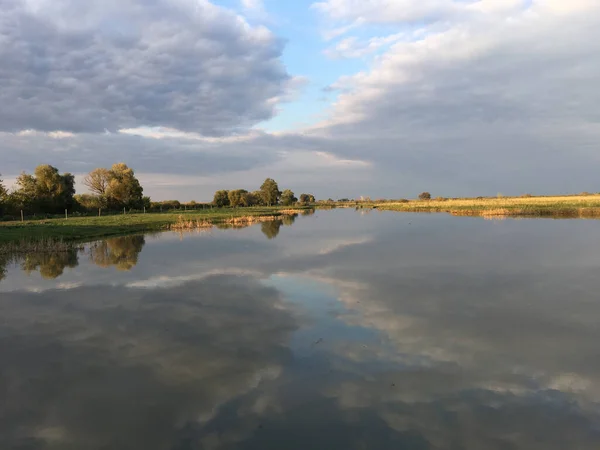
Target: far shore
column 83, row 229
column 569, row 206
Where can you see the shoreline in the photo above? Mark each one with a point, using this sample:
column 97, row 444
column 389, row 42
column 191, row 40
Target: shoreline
column 84, row 229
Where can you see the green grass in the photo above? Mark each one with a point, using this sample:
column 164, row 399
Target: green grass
column 80, row 229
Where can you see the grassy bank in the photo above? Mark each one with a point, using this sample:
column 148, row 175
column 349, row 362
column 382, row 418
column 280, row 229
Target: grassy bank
column 89, row 228
column 587, row 206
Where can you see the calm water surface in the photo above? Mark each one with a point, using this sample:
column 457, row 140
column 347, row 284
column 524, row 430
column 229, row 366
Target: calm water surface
column 331, row 331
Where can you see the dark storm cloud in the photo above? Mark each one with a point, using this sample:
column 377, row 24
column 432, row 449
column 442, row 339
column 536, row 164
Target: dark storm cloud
column 96, row 65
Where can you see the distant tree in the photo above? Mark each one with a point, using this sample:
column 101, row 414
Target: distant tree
column 424, row 196
column 88, row 202
column 124, row 189
column 255, row 198
column 146, row 202
column 237, row 198
column 3, row 196
column 288, row 198
column 270, row 192
column 221, row 199
column 47, row 191
column 98, row 181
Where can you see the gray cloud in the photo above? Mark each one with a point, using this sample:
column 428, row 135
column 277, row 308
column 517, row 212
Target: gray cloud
column 500, row 99
column 96, row 65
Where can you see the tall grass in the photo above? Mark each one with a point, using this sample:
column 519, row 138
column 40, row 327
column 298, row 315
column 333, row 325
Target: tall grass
column 585, row 206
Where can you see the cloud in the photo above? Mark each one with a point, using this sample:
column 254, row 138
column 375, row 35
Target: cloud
column 253, row 4
column 107, row 65
column 466, row 102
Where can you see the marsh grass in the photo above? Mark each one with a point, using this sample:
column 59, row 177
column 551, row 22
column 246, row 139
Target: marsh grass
column 184, row 223
column 581, row 206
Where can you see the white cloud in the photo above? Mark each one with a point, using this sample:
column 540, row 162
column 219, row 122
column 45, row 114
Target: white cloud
column 253, row 4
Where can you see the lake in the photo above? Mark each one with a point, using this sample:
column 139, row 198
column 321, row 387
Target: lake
column 337, row 330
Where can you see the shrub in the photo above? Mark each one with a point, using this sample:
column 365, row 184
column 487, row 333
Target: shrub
column 424, row 196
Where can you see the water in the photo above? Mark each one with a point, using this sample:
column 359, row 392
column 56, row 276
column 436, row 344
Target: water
column 333, row 331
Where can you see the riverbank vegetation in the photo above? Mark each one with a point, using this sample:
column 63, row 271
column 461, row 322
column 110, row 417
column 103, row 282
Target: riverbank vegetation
column 268, row 195
column 583, row 205
column 81, row 229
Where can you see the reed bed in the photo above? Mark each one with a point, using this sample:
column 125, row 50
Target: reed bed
column 233, row 222
column 584, row 206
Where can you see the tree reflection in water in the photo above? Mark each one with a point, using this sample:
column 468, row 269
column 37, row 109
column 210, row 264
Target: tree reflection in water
column 50, row 265
column 121, row 252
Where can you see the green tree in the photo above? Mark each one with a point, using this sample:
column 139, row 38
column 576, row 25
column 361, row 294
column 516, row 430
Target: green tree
column 269, row 192
column 47, row 191
column 237, row 198
column 221, row 198
column 124, row 189
column 97, row 182
column 255, row 198
column 3, row 196
column 424, row 196
column 88, row 202
column 288, row 198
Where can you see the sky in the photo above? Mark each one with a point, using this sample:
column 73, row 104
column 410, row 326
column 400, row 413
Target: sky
column 339, row 98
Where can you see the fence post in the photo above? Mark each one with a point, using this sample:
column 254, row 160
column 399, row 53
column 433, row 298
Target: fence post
column 22, row 218
column 66, row 214
column 144, row 210
column 124, row 211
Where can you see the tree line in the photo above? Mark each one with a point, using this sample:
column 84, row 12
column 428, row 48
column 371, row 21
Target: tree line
column 47, row 191
column 268, row 195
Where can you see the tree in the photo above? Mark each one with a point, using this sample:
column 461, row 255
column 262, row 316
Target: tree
column 288, row 198
column 47, row 191
column 221, row 199
column 307, row 198
column 97, row 181
column 3, row 190
column 124, row 189
column 237, row 198
column 88, row 202
column 255, row 198
column 424, row 196
column 3, row 196
column 269, row 192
